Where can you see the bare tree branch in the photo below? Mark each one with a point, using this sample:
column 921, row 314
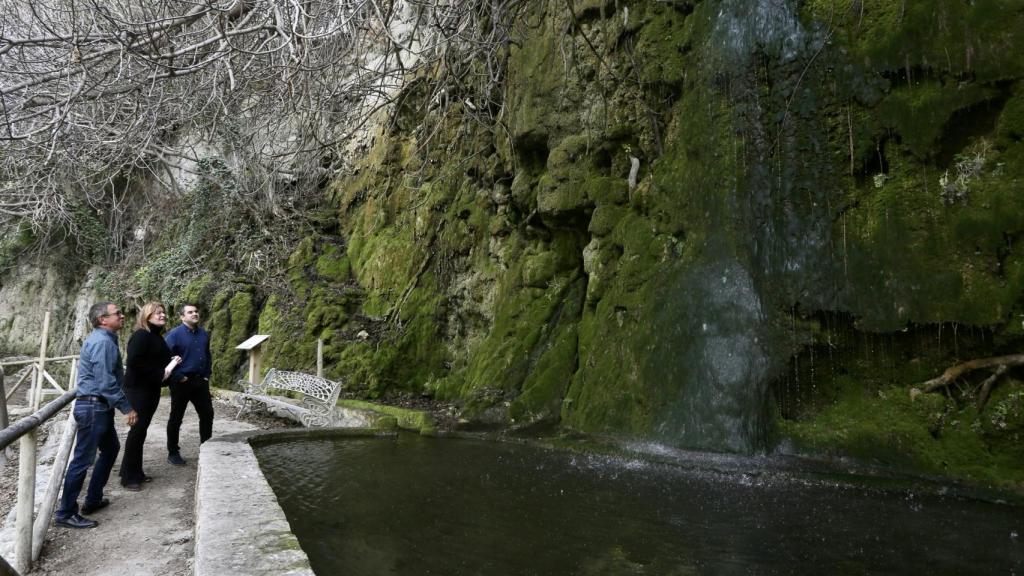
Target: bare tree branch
column 93, row 92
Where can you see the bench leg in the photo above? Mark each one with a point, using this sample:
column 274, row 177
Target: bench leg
column 243, row 404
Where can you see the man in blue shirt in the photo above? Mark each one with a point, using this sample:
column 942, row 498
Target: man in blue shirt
column 190, row 381
column 99, row 392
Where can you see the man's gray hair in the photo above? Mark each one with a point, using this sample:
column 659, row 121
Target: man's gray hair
column 98, row 311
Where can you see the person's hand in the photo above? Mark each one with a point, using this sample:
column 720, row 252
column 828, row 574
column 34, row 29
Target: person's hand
column 175, row 360
column 131, row 418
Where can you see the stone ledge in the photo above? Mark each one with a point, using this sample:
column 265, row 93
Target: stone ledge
column 240, row 527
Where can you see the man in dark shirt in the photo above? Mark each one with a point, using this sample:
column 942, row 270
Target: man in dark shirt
column 99, row 391
column 190, row 381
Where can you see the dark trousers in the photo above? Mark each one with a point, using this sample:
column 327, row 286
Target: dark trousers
column 197, row 391
column 95, row 421
column 144, row 399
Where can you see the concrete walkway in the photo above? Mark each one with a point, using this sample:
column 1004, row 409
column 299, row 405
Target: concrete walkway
column 147, row 533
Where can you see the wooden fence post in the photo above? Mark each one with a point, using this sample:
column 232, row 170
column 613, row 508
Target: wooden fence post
column 319, row 358
column 4, row 418
column 60, row 465
column 37, row 386
column 26, row 502
column 27, row 467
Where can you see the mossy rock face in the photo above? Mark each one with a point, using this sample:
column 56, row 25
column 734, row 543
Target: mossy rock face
column 1011, row 121
column 395, row 417
column 527, row 325
column 605, row 190
column 604, row 219
column 333, row 265
column 318, row 301
column 230, row 324
column 920, row 35
column 929, row 434
column 793, row 161
column 559, row 198
column 919, row 113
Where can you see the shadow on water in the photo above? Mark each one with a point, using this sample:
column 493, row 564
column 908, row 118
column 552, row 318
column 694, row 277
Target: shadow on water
column 415, row 505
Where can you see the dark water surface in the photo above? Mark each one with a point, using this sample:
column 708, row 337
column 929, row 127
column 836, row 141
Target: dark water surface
column 412, row 505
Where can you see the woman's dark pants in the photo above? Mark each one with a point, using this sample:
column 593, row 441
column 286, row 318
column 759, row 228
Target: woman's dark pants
column 144, row 399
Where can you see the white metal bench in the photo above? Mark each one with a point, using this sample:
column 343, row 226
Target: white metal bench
column 319, row 395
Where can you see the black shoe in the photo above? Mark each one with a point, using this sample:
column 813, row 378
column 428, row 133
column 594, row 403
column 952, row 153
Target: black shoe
column 77, row 521
column 133, row 487
column 176, row 459
column 146, row 478
column 90, row 508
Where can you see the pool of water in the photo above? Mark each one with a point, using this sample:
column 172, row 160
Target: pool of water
column 413, row 505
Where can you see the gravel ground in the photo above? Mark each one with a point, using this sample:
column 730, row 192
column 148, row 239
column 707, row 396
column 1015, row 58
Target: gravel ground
column 140, row 533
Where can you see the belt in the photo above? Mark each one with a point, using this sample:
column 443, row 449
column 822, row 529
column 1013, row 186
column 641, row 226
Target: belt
column 92, row 398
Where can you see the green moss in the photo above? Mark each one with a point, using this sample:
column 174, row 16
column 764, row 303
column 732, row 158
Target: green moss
column 930, row 260
column 303, row 254
column 534, row 88
column 289, row 347
column 230, row 324
column 919, row 113
column 417, row 356
column 241, row 309
column 355, row 362
column 14, row 240
column 1011, row 122
column 604, row 219
column 661, row 45
column 562, row 189
column 557, row 198
column 405, row 418
column 685, row 200
column 604, row 190
column 465, row 253
column 333, row 266
column 539, row 270
column 946, row 35
column 529, row 323
column 545, row 387
column 929, row 434
column 270, row 315
column 197, row 290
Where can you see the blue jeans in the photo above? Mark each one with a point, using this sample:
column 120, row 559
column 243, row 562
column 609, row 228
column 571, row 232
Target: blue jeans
column 95, row 432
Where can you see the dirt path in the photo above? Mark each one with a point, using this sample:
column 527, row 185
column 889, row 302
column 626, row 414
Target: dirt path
column 141, row 533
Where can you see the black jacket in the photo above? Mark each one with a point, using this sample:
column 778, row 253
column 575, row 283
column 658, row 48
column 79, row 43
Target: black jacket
column 148, row 355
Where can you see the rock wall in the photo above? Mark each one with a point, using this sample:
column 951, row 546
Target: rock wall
column 27, row 292
column 732, row 225
column 813, row 178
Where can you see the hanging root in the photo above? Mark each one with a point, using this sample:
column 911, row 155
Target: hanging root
column 998, row 364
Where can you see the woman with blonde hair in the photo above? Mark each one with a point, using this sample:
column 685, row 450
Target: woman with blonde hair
column 148, row 365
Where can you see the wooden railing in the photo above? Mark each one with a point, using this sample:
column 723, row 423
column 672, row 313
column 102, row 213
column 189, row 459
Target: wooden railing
column 29, row 533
